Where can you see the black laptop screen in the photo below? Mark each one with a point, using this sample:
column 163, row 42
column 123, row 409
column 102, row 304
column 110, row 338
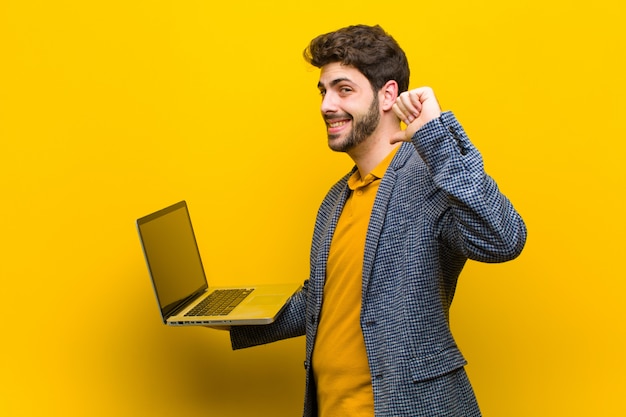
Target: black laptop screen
column 172, row 255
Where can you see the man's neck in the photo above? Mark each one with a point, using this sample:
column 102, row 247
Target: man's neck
column 371, row 152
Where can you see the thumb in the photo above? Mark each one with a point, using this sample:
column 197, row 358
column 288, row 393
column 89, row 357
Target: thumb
column 398, row 137
column 403, row 135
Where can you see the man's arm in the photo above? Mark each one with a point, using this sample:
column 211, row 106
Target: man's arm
column 290, row 323
column 481, row 222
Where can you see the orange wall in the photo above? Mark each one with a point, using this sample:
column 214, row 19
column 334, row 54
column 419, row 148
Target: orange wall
column 110, row 110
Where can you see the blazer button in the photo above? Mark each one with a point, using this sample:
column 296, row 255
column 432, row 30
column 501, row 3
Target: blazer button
column 454, row 133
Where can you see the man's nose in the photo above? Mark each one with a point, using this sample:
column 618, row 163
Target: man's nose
column 329, row 103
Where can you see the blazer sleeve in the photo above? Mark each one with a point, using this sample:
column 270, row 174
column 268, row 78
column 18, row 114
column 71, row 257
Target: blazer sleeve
column 479, row 221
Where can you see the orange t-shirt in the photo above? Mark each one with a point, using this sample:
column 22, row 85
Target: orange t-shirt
column 341, row 370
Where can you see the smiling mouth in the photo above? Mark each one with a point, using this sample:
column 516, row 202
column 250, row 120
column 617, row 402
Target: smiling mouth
column 337, row 124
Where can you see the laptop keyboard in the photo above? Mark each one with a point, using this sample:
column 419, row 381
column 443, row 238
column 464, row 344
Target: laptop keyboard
column 220, row 302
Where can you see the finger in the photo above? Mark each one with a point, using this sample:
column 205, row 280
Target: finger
column 400, row 110
column 429, row 106
column 422, row 94
column 404, row 109
column 218, row 327
column 412, row 104
column 417, row 102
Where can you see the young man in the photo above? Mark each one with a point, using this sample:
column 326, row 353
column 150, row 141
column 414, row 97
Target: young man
column 390, row 241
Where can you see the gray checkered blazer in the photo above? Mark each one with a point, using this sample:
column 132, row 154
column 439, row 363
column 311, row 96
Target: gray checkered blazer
column 435, row 208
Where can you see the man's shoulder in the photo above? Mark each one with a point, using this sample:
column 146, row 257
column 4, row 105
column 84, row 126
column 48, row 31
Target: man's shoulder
column 407, row 161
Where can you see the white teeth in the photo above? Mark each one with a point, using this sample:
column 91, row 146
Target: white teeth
column 336, row 124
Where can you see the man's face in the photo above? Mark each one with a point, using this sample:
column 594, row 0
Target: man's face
column 349, row 106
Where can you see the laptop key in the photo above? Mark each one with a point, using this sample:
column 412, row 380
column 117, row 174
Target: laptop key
column 220, row 302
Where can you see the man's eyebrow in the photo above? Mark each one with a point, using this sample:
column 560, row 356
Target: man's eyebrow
column 334, row 82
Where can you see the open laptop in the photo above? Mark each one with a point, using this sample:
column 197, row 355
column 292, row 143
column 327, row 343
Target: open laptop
column 179, row 281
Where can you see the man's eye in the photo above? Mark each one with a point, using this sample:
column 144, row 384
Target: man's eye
column 322, row 93
column 345, row 90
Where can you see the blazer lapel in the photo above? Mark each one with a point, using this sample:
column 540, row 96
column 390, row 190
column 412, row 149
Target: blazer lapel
column 379, row 211
column 329, row 227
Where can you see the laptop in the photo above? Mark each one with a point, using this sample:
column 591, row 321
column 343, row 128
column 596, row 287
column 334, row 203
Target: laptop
column 180, row 284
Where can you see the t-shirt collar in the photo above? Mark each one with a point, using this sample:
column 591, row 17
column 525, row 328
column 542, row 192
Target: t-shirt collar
column 355, row 180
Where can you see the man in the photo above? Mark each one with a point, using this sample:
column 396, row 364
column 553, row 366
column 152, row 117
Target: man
column 390, row 241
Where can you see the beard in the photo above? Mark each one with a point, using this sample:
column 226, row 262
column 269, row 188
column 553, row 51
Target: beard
column 362, row 128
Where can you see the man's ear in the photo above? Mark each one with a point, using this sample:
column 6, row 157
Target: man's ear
column 389, row 94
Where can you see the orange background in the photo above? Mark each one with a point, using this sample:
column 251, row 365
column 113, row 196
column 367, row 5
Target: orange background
column 111, row 110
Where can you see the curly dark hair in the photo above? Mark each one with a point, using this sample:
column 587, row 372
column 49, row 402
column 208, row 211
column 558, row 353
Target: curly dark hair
column 367, row 48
